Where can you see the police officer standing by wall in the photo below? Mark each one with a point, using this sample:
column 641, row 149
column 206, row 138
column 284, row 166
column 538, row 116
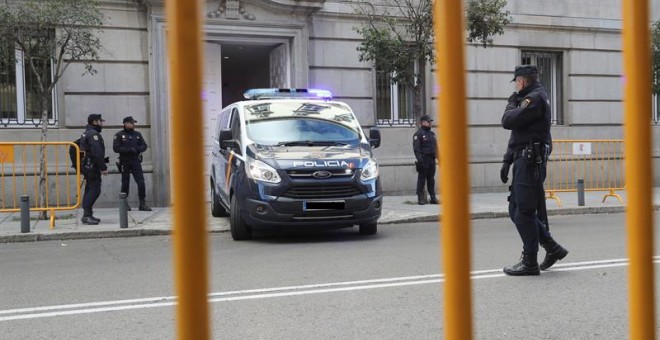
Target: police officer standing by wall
column 424, row 146
column 528, row 116
column 130, row 145
column 94, row 165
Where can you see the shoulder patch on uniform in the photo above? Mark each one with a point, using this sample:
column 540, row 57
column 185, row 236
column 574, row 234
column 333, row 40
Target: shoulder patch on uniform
column 96, row 137
column 415, row 137
column 525, row 103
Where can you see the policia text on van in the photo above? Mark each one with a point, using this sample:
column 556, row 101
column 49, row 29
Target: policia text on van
column 293, row 158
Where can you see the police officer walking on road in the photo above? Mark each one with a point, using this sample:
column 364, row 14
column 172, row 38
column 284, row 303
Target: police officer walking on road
column 424, row 146
column 130, row 145
column 94, row 166
column 528, row 116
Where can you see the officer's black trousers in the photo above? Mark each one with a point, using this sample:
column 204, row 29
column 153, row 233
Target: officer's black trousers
column 92, row 190
column 526, row 190
column 426, row 175
column 133, row 167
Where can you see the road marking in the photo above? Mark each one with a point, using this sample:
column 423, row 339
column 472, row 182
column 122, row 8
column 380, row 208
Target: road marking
column 264, row 293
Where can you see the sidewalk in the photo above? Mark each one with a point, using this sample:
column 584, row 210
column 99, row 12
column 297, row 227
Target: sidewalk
column 397, row 209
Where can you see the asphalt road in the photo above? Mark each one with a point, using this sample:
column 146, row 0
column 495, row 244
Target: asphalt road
column 331, row 285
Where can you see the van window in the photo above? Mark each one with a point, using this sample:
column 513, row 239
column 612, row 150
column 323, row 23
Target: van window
column 236, row 128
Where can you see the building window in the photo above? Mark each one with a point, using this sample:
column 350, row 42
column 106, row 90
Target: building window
column 394, row 101
column 19, row 100
column 550, row 75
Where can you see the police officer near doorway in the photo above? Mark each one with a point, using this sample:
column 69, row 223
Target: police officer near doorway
column 528, row 116
column 130, row 145
column 424, row 146
column 94, row 166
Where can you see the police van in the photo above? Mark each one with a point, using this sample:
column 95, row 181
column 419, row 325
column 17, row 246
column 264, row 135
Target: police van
column 293, row 158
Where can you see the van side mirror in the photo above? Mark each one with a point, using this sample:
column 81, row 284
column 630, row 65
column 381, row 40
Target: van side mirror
column 227, row 139
column 374, row 137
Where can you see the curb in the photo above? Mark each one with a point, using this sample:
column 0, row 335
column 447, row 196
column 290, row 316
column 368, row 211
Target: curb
column 81, row 235
column 505, row 214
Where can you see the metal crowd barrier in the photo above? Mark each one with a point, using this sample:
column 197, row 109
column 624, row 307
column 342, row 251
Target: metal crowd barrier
column 599, row 163
column 20, row 176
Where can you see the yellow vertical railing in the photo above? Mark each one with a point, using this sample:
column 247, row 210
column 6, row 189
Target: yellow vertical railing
column 639, row 169
column 455, row 186
column 184, row 41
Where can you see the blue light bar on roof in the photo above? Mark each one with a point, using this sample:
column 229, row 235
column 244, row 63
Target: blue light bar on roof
column 287, row 93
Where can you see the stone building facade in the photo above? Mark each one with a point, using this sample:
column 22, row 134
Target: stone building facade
column 312, row 43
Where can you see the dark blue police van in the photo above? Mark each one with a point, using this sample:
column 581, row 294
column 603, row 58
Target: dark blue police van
column 293, row 158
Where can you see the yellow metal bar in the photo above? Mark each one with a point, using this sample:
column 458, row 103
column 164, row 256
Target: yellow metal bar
column 57, row 177
column 13, row 174
column 25, row 170
column 34, row 175
column 637, row 132
column 47, row 200
column 184, row 41
column 2, row 178
column 450, row 50
column 52, row 219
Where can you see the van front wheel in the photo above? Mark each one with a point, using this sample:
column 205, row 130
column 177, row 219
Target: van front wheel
column 239, row 230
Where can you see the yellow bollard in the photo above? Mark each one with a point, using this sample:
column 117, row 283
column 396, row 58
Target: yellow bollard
column 450, row 47
column 184, row 39
column 639, row 170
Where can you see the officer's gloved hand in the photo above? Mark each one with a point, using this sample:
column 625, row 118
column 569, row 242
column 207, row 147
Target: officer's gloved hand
column 504, row 173
column 106, row 160
column 513, row 98
column 419, row 166
column 134, row 150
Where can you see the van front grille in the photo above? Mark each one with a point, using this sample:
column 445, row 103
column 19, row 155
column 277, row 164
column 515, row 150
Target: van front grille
column 322, row 191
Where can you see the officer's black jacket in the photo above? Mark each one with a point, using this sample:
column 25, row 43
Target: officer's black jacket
column 528, row 117
column 94, row 146
column 129, row 144
column 424, row 144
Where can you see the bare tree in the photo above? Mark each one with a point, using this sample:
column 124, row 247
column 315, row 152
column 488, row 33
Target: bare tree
column 51, row 34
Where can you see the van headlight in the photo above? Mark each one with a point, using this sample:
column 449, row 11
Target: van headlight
column 261, row 171
column 370, row 171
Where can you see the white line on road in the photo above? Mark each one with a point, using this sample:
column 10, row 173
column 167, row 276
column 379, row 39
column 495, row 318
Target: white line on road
column 251, row 294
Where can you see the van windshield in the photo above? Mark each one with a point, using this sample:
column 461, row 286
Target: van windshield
column 301, row 123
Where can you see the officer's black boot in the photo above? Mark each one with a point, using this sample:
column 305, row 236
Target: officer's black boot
column 89, row 219
column 434, row 200
column 528, row 265
column 421, row 199
column 554, row 253
column 144, row 206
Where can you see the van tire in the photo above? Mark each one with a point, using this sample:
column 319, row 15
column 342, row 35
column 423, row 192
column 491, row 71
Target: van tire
column 217, row 210
column 239, row 230
column 369, row 228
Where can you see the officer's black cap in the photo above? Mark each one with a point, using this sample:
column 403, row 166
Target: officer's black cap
column 94, row 116
column 425, row 118
column 129, row 119
column 524, row 70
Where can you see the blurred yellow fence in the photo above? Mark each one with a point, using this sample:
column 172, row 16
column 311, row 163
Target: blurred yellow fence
column 20, row 166
column 599, row 163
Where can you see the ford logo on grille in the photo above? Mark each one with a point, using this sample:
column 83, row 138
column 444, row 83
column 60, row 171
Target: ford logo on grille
column 322, row 174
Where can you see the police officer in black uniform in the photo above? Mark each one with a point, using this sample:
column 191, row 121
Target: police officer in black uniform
column 94, row 165
column 130, row 145
column 528, row 116
column 424, row 145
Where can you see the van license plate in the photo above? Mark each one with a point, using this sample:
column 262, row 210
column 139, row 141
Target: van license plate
column 324, row 205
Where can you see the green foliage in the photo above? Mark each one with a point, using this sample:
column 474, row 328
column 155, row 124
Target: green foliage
column 395, row 40
column 655, row 49
column 486, row 19
column 63, row 31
